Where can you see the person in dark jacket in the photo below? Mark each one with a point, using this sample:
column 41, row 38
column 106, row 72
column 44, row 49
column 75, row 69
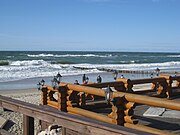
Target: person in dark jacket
column 99, row 79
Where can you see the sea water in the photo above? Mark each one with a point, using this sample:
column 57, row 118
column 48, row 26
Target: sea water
column 18, row 65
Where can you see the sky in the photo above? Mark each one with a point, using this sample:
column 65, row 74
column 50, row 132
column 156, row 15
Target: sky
column 90, row 25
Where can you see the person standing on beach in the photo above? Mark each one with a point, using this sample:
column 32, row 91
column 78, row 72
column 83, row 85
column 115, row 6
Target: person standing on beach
column 99, row 79
column 84, row 78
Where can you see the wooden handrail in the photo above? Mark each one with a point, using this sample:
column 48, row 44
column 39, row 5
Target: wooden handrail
column 152, row 101
column 84, row 125
column 105, row 84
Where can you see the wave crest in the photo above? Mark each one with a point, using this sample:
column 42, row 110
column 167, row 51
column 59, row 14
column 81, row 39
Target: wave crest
column 28, row 63
column 4, row 63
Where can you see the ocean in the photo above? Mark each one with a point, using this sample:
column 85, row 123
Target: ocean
column 18, row 65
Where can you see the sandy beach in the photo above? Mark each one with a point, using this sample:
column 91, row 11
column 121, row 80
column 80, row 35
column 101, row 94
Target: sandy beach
column 15, row 119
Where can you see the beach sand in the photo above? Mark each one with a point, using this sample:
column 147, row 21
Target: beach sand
column 14, row 124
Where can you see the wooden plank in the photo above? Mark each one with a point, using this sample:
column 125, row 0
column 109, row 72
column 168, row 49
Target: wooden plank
column 89, row 114
column 105, row 84
column 72, row 132
column 28, row 125
column 148, row 80
column 64, row 131
column 44, row 124
column 85, row 125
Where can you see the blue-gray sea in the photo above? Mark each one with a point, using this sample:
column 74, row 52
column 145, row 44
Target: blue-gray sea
column 18, row 65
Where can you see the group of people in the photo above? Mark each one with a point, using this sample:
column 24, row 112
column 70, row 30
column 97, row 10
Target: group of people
column 85, row 79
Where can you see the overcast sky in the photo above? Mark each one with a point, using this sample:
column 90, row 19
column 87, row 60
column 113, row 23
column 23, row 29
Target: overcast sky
column 90, row 25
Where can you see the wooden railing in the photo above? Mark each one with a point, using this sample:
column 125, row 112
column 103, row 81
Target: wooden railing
column 78, row 124
column 70, row 100
column 162, row 85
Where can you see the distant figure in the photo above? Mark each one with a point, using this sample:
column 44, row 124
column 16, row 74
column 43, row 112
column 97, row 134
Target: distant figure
column 115, row 75
column 175, row 73
column 76, row 82
column 84, row 78
column 99, row 79
column 157, row 71
column 151, row 75
column 87, row 79
column 122, row 76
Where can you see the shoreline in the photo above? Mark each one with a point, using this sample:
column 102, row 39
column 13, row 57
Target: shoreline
column 31, row 83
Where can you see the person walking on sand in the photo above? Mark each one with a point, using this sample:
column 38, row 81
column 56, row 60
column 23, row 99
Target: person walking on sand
column 99, row 79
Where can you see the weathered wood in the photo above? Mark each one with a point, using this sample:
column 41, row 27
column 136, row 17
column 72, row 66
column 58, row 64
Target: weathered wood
column 44, row 124
column 72, row 132
column 85, row 125
column 28, row 125
column 64, row 131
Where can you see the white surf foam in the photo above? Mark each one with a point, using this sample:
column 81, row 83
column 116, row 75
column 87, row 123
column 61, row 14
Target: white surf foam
column 39, row 68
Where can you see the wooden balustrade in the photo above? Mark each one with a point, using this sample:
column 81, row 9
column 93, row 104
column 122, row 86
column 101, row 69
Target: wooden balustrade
column 162, row 84
column 67, row 121
column 123, row 102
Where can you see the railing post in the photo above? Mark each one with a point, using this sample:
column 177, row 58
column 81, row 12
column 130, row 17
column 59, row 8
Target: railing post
column 169, row 85
column 122, row 111
column 162, row 89
column 44, row 96
column 28, row 125
column 128, row 113
column 117, row 113
column 62, row 99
